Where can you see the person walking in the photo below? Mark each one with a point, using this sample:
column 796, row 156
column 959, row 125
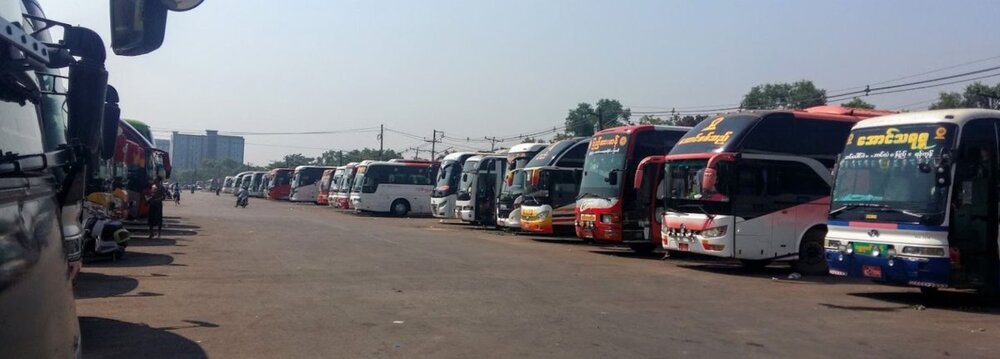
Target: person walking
column 156, row 196
column 177, row 193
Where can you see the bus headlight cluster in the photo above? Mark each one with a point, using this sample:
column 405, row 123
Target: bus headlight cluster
column 924, row 251
column 609, row 218
column 714, row 232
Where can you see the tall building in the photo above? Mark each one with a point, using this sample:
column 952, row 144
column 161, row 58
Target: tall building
column 162, row 144
column 188, row 151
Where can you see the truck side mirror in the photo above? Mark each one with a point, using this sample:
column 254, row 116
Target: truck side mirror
column 109, row 127
column 137, row 26
column 88, row 86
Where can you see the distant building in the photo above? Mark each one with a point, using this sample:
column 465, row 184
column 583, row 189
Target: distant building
column 162, row 143
column 188, row 151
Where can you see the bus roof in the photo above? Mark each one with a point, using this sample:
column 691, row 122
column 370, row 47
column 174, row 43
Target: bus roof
column 636, row 128
column 276, row 170
column 300, row 168
column 402, row 164
column 956, row 116
column 481, row 157
column 455, row 156
column 526, row 147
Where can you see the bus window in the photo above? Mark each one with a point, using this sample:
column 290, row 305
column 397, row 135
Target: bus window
column 574, row 157
column 796, row 183
column 774, row 133
column 749, row 195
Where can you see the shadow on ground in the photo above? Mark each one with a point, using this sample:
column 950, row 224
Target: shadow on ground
column 962, row 301
column 109, row 338
column 130, row 259
column 146, row 242
column 95, row 285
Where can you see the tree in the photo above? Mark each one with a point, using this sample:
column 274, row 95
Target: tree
column 976, row 95
column 800, row 94
column 858, row 103
column 687, row 120
column 329, row 158
column 652, row 120
column 585, row 118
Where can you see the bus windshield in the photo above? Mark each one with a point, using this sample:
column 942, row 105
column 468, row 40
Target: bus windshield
column 468, row 173
column 448, row 176
column 516, row 186
column 715, row 135
column 359, row 179
column 887, row 174
column 555, row 187
column 683, row 181
column 606, row 156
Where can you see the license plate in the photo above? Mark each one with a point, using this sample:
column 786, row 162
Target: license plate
column 588, row 217
column 586, row 233
column 872, row 271
column 682, row 246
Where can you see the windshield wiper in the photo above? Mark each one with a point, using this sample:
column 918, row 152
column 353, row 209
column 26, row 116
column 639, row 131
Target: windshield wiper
column 700, row 208
column 845, row 208
column 590, row 195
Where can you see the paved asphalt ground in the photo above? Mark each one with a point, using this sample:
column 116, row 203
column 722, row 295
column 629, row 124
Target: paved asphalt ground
column 282, row 280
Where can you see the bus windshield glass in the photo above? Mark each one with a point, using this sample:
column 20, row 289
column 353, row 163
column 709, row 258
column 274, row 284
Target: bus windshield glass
column 606, row 156
column 468, row 173
column 516, row 186
column 359, row 179
column 683, row 182
column 887, row 174
column 714, row 135
column 448, row 176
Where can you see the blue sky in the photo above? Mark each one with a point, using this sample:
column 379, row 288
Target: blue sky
column 485, row 68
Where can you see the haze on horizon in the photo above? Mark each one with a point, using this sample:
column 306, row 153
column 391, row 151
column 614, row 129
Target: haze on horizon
column 501, row 68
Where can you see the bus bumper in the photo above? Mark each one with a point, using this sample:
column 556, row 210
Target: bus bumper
column 442, row 207
column 536, row 219
column 912, row 271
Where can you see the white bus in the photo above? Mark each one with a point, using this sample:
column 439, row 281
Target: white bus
column 305, row 183
column 511, row 185
column 397, row 188
column 256, row 186
column 755, row 186
column 227, row 184
column 446, row 190
column 342, row 197
column 482, row 176
column 915, row 201
column 566, row 153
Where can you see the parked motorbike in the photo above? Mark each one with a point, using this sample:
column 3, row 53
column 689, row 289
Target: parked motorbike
column 103, row 235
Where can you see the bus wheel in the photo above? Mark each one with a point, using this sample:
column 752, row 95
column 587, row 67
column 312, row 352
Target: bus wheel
column 400, row 208
column 642, row 248
column 812, row 259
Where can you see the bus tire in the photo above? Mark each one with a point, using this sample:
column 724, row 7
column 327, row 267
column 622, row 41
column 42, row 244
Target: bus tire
column 399, row 208
column 642, row 248
column 812, row 255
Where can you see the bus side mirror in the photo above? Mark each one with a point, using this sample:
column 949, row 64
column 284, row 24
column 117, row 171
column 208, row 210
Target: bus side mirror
column 708, row 180
column 942, row 173
column 109, row 128
column 88, row 86
column 138, row 26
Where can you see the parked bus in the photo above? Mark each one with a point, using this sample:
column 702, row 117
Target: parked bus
column 517, row 157
column 342, row 198
column 606, row 209
column 279, row 184
column 305, row 183
column 482, row 176
column 256, row 188
column 446, row 189
column 242, row 181
column 327, row 183
column 755, row 186
column 550, row 199
column 144, row 165
column 227, row 184
column 397, row 188
column 568, row 154
column 915, row 201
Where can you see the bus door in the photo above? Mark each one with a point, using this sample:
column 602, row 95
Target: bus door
column 973, row 229
column 752, row 208
column 486, row 191
column 650, row 195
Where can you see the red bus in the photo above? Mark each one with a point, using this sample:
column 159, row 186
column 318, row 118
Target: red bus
column 327, row 183
column 342, row 198
column 280, row 185
column 607, row 209
column 143, row 166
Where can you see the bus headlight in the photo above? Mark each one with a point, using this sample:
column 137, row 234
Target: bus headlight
column 609, row 218
column 714, row 232
column 848, row 248
column 924, row 251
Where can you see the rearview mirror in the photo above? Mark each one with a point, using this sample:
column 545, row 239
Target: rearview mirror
column 708, row 180
column 137, row 26
column 109, row 126
column 612, row 178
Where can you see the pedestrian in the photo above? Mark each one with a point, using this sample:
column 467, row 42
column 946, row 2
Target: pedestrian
column 155, row 198
column 177, row 193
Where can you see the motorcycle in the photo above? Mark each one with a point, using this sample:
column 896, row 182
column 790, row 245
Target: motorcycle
column 103, row 235
column 243, row 198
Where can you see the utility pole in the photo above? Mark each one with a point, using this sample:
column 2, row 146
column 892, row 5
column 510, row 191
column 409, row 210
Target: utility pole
column 340, row 158
column 600, row 120
column 381, row 141
column 493, row 142
column 433, row 142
